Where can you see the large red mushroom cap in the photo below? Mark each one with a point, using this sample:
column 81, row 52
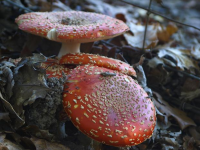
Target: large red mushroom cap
column 101, row 61
column 71, row 27
column 113, row 110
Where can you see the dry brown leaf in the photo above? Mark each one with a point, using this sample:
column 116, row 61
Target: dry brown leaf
column 164, row 33
column 171, row 142
column 8, row 145
column 136, row 38
column 59, row 6
column 100, row 6
column 190, row 85
column 37, row 132
column 195, row 51
column 190, row 95
column 42, row 144
column 159, row 1
column 155, row 32
column 4, row 116
column 179, row 56
column 194, row 133
column 170, row 111
column 189, row 143
column 18, row 121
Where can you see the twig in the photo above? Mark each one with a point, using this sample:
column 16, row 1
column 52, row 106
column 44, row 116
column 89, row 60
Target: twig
column 11, row 2
column 146, row 25
column 51, row 5
column 156, row 13
column 182, row 72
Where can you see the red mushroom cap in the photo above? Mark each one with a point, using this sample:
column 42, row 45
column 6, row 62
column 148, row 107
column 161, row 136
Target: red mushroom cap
column 53, row 69
column 113, row 110
column 71, row 25
column 101, row 61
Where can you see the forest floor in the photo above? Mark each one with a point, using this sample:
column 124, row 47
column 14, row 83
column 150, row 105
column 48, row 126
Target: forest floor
column 31, row 103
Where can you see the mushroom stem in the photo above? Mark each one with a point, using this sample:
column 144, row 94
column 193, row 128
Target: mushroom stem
column 69, row 47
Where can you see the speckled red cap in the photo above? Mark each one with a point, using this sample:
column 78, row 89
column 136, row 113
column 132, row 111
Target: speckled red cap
column 53, row 69
column 71, row 26
column 113, row 110
column 97, row 60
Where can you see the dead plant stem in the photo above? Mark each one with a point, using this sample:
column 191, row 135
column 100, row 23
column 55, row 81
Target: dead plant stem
column 146, row 25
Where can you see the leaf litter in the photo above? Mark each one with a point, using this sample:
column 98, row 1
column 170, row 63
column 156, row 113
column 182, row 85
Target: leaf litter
column 31, row 103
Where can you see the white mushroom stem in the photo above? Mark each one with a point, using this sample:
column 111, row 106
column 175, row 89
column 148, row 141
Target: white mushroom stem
column 69, row 47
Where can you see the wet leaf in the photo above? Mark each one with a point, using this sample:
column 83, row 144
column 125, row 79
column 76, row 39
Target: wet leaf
column 178, row 59
column 59, row 6
column 189, row 143
column 171, row 143
column 42, row 144
column 4, row 116
column 190, row 95
column 30, row 84
column 170, row 111
column 195, row 51
column 18, row 121
column 8, row 145
column 194, row 133
column 110, row 10
column 5, row 127
column 142, row 80
column 37, row 132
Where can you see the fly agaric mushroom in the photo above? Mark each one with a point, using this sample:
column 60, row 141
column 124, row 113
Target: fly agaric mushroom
column 101, row 61
column 71, row 27
column 54, row 69
column 113, row 110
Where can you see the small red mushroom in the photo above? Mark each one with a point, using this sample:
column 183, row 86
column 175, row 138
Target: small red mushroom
column 101, row 61
column 71, row 27
column 53, row 69
column 114, row 110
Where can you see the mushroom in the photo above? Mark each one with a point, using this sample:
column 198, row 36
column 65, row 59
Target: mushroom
column 114, row 110
column 53, row 69
column 71, row 27
column 101, row 61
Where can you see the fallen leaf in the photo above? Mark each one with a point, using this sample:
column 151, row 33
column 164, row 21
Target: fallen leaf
column 190, row 85
column 171, row 142
column 30, row 84
column 37, row 132
column 164, row 33
column 102, row 7
column 59, row 6
column 18, row 121
column 190, row 95
column 178, row 58
column 8, row 145
column 141, row 78
column 194, row 133
column 170, row 111
column 137, row 37
column 42, row 144
column 154, row 62
column 189, row 143
column 4, row 116
column 195, row 51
